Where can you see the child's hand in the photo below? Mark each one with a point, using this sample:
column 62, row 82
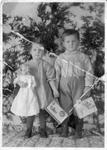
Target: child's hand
column 78, row 101
column 55, row 93
column 57, row 100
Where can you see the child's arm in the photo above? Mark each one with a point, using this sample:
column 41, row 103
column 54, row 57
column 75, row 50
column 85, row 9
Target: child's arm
column 54, row 89
column 50, row 74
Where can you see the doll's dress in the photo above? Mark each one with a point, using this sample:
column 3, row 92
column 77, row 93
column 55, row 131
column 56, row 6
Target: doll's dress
column 26, row 102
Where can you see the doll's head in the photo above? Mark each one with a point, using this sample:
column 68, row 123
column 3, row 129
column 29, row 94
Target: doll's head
column 24, row 69
column 70, row 40
column 37, row 51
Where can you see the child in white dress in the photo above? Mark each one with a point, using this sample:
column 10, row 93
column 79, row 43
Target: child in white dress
column 25, row 103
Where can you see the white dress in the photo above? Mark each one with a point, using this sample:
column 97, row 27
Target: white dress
column 26, row 101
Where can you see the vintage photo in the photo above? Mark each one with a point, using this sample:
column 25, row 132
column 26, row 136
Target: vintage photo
column 53, row 74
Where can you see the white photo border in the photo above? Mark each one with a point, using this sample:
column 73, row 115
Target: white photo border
column 85, row 1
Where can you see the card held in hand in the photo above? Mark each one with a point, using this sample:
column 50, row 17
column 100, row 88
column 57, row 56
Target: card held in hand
column 55, row 110
column 85, row 107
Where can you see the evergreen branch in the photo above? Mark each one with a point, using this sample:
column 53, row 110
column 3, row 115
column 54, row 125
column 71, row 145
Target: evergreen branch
column 21, row 36
column 7, row 65
column 7, row 89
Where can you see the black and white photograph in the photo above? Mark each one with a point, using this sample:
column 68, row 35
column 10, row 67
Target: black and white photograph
column 53, row 74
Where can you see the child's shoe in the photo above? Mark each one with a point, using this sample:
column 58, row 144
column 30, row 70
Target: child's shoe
column 78, row 135
column 43, row 133
column 28, row 133
column 64, row 132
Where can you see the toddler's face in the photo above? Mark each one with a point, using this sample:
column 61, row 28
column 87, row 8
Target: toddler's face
column 37, row 51
column 71, row 43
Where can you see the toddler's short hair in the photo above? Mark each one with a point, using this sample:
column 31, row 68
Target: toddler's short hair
column 68, row 32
